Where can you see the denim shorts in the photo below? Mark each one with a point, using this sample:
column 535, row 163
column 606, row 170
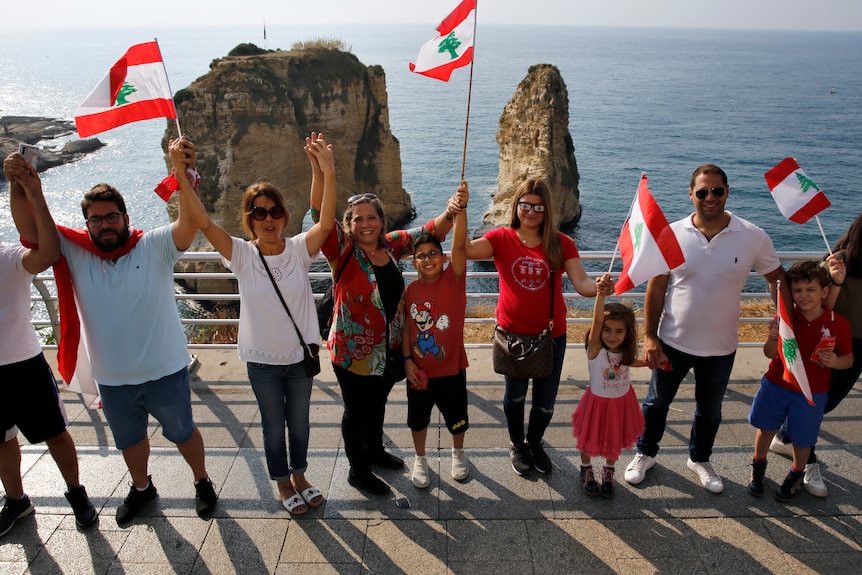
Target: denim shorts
column 773, row 404
column 127, row 409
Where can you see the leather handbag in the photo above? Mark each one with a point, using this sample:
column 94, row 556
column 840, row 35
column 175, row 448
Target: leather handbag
column 525, row 356
column 310, row 351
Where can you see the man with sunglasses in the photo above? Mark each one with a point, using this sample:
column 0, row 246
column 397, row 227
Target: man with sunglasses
column 123, row 285
column 692, row 315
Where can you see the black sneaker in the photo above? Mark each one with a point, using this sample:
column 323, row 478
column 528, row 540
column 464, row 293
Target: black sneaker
column 755, row 484
column 541, row 461
column 387, row 461
column 13, row 510
column 588, row 479
column 205, row 498
column 85, row 512
column 368, row 482
column 522, row 459
column 791, row 485
column 608, row 482
column 134, row 501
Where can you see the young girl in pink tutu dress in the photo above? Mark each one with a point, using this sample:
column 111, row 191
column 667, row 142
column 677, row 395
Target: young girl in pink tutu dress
column 608, row 417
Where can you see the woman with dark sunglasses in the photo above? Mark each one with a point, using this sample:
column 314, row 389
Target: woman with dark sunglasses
column 531, row 256
column 268, row 339
column 365, row 339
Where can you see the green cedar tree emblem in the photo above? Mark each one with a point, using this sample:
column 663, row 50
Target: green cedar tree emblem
column 791, row 351
column 639, row 229
column 450, row 44
column 805, row 183
column 125, row 91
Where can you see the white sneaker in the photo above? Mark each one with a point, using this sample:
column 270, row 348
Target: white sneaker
column 420, row 472
column 813, row 481
column 708, row 477
column 460, row 467
column 781, row 448
column 636, row 470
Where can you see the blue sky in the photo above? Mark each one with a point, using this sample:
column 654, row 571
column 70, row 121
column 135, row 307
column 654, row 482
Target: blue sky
column 749, row 14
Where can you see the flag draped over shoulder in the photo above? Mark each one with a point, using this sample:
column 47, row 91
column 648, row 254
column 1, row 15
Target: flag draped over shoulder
column 788, row 350
column 647, row 243
column 135, row 88
column 453, row 48
column 798, row 198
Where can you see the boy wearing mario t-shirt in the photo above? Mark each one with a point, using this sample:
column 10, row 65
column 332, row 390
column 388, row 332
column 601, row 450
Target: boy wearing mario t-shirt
column 824, row 344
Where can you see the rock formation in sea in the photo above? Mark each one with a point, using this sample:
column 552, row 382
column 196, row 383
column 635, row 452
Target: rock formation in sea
column 34, row 130
column 250, row 114
column 534, row 141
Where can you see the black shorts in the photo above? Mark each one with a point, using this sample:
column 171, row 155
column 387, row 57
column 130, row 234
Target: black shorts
column 449, row 394
column 29, row 399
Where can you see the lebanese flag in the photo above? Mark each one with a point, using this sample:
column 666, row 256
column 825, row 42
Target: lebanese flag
column 788, row 350
column 798, row 198
column 453, row 48
column 135, row 88
column 647, row 243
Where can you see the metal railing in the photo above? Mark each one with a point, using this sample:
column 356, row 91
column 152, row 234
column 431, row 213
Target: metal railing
column 45, row 298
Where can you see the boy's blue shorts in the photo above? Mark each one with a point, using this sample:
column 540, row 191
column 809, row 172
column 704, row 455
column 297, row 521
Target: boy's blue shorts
column 773, row 404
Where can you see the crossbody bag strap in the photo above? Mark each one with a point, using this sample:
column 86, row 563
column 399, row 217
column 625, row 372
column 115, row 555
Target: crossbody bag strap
column 553, row 285
column 280, row 298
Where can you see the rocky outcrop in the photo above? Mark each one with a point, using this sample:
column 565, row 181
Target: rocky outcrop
column 249, row 117
column 32, row 130
column 535, row 142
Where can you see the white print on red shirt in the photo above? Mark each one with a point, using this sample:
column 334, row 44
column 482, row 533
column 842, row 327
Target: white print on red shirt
column 530, row 273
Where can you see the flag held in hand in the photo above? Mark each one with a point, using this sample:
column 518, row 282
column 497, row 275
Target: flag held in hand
column 453, row 48
column 647, row 243
column 788, row 350
column 135, row 88
column 798, row 198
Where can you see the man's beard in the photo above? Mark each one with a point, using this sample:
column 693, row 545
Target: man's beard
column 112, row 242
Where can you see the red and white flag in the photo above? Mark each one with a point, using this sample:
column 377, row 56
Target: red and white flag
column 647, row 243
column 798, row 198
column 135, row 88
column 788, row 350
column 453, row 48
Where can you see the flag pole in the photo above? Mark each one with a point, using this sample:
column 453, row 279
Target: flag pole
column 177, row 118
column 469, row 92
column 628, row 215
column 822, row 233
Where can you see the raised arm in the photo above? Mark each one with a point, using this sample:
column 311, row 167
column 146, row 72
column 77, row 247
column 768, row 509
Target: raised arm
column 443, row 223
column 594, row 344
column 459, row 238
column 29, row 206
column 16, row 169
column 838, row 274
column 653, row 306
column 192, row 209
column 323, row 193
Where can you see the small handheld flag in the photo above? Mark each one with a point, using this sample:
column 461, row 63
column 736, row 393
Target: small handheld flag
column 788, row 350
column 453, row 48
column 798, row 197
column 135, row 88
column 647, row 243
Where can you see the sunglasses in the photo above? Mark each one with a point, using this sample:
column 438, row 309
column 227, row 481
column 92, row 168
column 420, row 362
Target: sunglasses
column 96, row 221
column 526, row 206
column 258, row 213
column 717, row 192
column 433, row 254
column 358, row 197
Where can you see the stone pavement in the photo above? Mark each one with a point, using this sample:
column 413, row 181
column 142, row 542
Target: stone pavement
column 494, row 522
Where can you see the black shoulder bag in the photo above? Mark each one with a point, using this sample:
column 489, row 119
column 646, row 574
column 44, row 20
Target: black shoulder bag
column 525, row 356
column 310, row 351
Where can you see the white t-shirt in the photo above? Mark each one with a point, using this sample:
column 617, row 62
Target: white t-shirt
column 128, row 310
column 266, row 334
column 608, row 377
column 702, row 304
column 18, row 341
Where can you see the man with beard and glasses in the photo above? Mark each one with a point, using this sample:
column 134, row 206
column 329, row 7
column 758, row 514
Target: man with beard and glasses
column 123, row 286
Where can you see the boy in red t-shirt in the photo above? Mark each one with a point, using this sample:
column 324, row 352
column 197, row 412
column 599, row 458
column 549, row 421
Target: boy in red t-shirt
column 824, row 344
column 433, row 345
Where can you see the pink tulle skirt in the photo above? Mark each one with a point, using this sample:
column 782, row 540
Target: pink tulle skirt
column 604, row 427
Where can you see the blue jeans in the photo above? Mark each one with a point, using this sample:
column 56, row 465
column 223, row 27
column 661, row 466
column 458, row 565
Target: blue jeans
column 711, row 375
column 544, row 398
column 841, row 381
column 283, row 395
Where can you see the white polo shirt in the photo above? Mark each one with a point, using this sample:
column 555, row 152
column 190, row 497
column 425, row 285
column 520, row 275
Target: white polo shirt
column 18, row 341
column 702, row 304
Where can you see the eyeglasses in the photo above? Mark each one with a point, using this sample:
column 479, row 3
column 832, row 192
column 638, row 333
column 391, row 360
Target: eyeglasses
column 527, row 206
column 96, row 221
column 258, row 213
column 358, row 197
column 717, row 192
column 433, row 254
